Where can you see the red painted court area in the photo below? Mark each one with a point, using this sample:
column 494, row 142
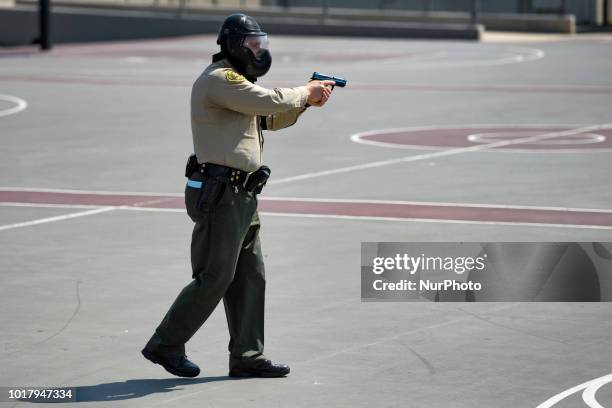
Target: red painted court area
column 365, row 209
column 456, row 137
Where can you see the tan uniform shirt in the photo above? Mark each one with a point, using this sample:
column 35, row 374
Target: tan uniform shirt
column 225, row 113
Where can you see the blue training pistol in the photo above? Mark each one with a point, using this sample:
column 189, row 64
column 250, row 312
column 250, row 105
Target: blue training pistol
column 317, row 76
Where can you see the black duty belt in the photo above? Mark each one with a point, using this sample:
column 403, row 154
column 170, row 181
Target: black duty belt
column 253, row 182
column 235, row 177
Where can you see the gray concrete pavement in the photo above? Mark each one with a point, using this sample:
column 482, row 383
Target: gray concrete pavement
column 81, row 296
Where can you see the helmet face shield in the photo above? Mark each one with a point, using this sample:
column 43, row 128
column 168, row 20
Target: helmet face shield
column 258, row 44
column 245, row 45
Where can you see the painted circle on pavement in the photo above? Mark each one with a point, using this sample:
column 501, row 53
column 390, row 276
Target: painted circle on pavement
column 466, row 136
column 13, row 105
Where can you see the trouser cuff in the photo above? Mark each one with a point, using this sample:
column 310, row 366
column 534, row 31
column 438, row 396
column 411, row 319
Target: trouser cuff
column 245, row 359
column 157, row 345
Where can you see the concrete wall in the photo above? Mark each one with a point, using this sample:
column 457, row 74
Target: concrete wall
column 20, row 26
column 494, row 6
column 491, row 21
column 585, row 11
column 106, row 22
column 71, row 24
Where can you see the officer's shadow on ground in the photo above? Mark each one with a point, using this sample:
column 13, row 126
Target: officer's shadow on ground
column 129, row 389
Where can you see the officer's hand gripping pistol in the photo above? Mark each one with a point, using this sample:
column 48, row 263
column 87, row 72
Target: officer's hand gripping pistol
column 341, row 82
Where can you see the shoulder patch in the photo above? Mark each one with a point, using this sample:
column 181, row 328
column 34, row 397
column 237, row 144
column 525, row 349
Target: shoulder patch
column 233, row 77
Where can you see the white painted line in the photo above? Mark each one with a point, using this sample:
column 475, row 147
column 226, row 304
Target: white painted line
column 56, row 218
column 149, row 202
column 435, row 220
column 114, row 207
column 437, row 204
column 45, row 205
column 588, row 396
column 152, row 209
column 20, row 105
column 93, row 192
column 585, row 138
column 135, row 60
column 443, row 153
column 506, row 55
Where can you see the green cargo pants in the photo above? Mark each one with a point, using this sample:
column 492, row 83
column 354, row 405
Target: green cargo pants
column 227, row 263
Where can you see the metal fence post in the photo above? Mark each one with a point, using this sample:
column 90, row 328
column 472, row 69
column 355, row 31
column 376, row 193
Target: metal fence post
column 44, row 14
column 476, row 8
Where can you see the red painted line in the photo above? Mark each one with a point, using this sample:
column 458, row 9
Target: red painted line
column 436, row 212
column 425, row 211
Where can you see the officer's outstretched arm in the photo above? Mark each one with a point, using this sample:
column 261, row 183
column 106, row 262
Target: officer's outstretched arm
column 232, row 91
column 282, row 120
column 319, row 92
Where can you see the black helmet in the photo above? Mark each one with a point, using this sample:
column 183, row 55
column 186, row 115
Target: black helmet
column 245, row 45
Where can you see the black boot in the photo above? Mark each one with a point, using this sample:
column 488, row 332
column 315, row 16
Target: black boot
column 177, row 365
column 259, row 368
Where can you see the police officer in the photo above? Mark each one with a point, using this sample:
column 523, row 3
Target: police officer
column 228, row 114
